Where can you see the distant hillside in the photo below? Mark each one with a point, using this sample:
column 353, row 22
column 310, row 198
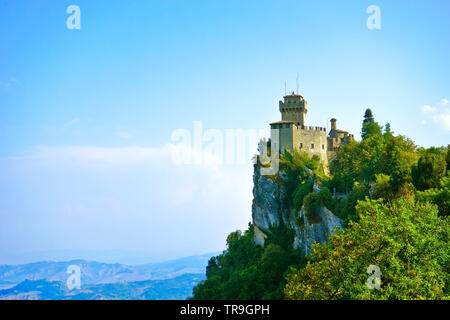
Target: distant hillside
column 169, row 289
column 100, row 273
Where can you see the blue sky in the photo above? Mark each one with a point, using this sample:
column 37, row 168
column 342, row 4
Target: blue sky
column 86, row 115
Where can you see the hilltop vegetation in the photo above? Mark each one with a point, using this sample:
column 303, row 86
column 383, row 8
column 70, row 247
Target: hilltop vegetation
column 394, row 201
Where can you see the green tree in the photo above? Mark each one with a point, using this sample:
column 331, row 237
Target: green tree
column 300, row 192
column 247, row 271
column 228, row 273
column 388, row 133
column 272, row 268
column 345, row 208
column 405, row 239
column 294, row 167
column 397, row 160
column 370, row 155
column 346, row 166
column 430, row 169
column 439, row 196
column 369, row 126
column 314, row 201
column 368, row 116
column 382, row 187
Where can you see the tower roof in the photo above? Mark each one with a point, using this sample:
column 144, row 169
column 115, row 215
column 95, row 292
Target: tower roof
column 281, row 122
column 293, row 94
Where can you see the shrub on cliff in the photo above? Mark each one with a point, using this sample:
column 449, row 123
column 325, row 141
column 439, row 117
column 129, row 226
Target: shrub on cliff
column 300, row 192
column 315, row 200
column 406, row 240
column 247, row 271
column 294, row 168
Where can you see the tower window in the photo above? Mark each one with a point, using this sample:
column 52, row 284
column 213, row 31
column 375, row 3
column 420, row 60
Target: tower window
column 323, row 146
column 301, row 145
column 312, row 145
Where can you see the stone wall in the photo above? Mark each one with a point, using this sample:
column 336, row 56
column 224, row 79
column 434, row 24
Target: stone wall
column 313, row 140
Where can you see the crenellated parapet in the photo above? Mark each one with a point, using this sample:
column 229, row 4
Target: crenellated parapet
column 312, row 128
column 294, row 108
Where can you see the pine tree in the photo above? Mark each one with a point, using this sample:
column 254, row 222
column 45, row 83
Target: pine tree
column 368, row 116
column 369, row 126
column 388, row 133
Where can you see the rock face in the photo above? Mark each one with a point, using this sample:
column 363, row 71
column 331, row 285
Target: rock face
column 268, row 210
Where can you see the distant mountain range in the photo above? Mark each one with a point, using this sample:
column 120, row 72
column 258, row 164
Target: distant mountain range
column 47, row 279
column 169, row 289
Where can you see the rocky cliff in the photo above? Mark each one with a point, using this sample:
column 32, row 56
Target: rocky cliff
column 268, row 209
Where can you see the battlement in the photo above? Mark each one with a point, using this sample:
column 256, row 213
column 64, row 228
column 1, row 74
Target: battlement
column 311, row 128
column 290, row 124
column 293, row 108
column 293, row 101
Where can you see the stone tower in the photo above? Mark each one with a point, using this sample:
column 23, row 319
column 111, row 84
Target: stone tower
column 294, row 134
column 294, row 108
column 333, row 124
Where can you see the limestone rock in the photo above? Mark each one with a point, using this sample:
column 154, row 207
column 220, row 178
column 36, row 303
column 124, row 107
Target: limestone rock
column 268, row 209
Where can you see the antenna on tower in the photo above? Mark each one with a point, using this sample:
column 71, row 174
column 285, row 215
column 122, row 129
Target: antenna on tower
column 285, row 87
column 297, row 82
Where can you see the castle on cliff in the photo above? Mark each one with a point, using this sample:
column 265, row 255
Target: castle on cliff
column 294, row 134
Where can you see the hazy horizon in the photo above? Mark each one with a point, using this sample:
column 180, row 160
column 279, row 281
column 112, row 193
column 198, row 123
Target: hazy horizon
column 102, row 256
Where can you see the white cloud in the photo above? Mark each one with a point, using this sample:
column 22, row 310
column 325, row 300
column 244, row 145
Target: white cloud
column 113, row 157
column 91, row 156
column 206, row 179
column 443, row 101
column 428, row 109
column 72, row 122
column 439, row 113
column 443, row 119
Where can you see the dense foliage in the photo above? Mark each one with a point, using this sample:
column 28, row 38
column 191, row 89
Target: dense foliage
column 246, row 271
column 405, row 239
column 314, row 200
column 394, row 199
